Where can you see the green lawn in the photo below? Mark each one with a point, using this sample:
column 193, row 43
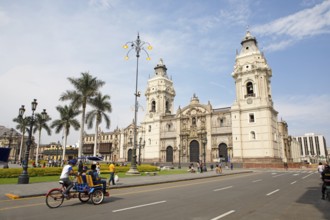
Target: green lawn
column 56, row 178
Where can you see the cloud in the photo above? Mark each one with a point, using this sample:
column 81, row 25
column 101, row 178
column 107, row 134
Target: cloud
column 306, row 23
column 101, row 4
column 4, row 18
column 305, row 113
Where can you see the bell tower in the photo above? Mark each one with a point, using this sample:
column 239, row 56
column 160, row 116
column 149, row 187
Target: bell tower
column 160, row 95
column 254, row 119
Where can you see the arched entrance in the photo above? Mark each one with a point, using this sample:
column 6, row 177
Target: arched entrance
column 223, row 153
column 194, row 151
column 169, row 154
column 129, row 155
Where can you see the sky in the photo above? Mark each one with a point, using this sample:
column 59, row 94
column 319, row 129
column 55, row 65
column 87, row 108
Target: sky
column 43, row 42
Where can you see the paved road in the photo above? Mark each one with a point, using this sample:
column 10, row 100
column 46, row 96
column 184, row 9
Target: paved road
column 256, row 195
column 38, row 189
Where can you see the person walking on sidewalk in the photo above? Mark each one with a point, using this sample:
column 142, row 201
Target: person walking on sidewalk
column 112, row 170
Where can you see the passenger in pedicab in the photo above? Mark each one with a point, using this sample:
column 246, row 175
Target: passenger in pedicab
column 97, row 179
column 84, row 173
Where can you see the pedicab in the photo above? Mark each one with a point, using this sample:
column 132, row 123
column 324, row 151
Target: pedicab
column 83, row 189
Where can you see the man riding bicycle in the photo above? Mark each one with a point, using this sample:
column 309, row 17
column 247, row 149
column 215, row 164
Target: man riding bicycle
column 66, row 172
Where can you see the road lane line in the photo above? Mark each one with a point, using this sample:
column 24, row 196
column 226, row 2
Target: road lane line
column 223, row 215
column 307, row 176
column 228, row 187
column 272, row 192
column 138, row 206
column 293, row 182
column 279, row 175
column 256, row 180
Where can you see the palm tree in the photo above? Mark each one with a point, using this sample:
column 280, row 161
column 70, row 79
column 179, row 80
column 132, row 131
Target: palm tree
column 86, row 87
column 39, row 124
column 67, row 119
column 101, row 105
column 22, row 126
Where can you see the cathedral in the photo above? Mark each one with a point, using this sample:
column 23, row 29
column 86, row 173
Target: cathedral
column 247, row 133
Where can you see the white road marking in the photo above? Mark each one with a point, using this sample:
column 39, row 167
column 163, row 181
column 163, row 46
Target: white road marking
column 296, row 174
column 228, row 187
column 272, row 192
column 139, row 206
column 293, row 182
column 256, row 181
column 306, row 176
column 223, row 215
column 279, row 175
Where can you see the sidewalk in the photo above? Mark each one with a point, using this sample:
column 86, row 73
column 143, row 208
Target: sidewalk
column 15, row 191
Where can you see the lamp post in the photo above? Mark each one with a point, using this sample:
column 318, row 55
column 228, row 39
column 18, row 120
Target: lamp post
column 179, row 167
column 24, row 177
column 57, row 146
column 141, row 145
column 204, row 144
column 138, row 46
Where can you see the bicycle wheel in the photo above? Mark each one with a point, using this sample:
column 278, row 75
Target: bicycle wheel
column 83, row 196
column 54, row 198
column 97, row 197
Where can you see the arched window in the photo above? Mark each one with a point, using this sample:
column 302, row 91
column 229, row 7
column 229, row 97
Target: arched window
column 249, row 89
column 153, row 106
column 167, row 106
column 168, row 127
column 253, row 135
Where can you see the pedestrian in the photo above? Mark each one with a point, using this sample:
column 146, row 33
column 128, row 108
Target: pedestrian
column 231, row 166
column 325, row 179
column 220, row 167
column 98, row 168
column 320, row 168
column 112, row 170
column 217, row 169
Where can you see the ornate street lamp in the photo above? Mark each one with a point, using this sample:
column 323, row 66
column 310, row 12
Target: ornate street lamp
column 24, row 177
column 179, row 167
column 57, row 147
column 204, row 144
column 138, row 46
column 141, row 146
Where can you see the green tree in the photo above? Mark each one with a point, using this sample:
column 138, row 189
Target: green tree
column 40, row 124
column 86, row 87
column 101, row 105
column 67, row 119
column 22, row 126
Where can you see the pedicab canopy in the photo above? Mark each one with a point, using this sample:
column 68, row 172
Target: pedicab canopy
column 4, row 154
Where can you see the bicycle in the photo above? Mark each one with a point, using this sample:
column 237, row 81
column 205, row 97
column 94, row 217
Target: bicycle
column 84, row 191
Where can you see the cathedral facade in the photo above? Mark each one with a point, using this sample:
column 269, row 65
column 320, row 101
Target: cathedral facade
column 247, row 133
